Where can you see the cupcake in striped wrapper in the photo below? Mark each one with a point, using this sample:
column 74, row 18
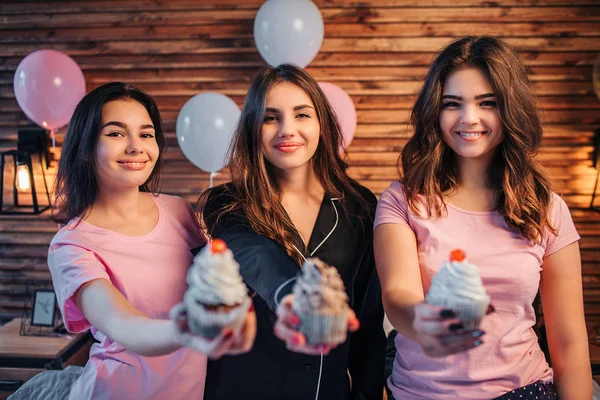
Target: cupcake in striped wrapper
column 458, row 286
column 321, row 303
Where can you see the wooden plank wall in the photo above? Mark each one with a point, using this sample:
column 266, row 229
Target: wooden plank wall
column 377, row 50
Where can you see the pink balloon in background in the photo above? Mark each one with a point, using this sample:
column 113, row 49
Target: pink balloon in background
column 48, row 85
column 343, row 106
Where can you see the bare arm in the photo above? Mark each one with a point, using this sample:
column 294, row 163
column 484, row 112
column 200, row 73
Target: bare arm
column 562, row 300
column 397, row 264
column 121, row 321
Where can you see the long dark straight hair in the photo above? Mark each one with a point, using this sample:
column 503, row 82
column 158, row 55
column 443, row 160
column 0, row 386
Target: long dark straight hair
column 76, row 185
column 255, row 191
column 428, row 165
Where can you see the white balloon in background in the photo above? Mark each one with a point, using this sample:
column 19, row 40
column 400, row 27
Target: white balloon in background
column 288, row 31
column 204, row 129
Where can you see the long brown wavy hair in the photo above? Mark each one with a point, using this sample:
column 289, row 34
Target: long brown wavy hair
column 255, row 193
column 427, row 165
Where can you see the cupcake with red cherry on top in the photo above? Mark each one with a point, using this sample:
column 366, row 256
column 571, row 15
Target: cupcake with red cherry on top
column 458, row 286
column 217, row 297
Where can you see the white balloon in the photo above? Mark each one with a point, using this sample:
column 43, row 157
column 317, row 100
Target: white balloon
column 205, row 126
column 288, row 31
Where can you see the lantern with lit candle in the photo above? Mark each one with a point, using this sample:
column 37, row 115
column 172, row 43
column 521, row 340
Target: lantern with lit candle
column 23, row 175
column 23, row 180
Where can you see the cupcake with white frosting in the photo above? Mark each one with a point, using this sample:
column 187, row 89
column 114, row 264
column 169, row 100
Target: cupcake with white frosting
column 458, row 286
column 321, row 303
column 217, row 296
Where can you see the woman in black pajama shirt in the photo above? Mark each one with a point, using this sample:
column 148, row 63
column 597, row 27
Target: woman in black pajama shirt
column 248, row 218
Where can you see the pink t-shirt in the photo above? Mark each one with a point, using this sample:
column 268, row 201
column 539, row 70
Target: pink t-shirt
column 510, row 267
column 150, row 271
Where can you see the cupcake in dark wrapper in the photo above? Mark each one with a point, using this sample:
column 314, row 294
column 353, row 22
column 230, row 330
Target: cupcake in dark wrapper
column 321, row 303
column 217, row 296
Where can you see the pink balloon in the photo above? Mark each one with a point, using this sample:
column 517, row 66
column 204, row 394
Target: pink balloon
column 48, row 85
column 343, row 106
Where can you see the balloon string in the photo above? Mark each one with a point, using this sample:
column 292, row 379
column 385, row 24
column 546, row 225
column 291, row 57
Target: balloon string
column 53, row 137
column 212, row 176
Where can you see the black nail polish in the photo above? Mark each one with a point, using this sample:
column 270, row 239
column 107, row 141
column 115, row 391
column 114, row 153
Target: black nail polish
column 477, row 343
column 455, row 327
column 477, row 333
column 446, row 313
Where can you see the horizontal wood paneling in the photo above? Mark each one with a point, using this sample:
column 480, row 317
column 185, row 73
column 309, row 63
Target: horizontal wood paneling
column 246, row 45
column 376, row 50
column 369, row 14
column 333, row 30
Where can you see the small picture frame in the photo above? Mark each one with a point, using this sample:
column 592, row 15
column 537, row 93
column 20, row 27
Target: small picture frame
column 43, row 311
column 41, row 315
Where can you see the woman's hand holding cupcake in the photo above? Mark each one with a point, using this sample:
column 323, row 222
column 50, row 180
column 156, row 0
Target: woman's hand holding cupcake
column 287, row 325
column 227, row 342
column 316, row 317
column 448, row 322
column 440, row 333
column 217, row 316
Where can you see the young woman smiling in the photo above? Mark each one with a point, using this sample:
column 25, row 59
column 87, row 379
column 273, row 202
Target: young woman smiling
column 120, row 262
column 290, row 198
column 469, row 180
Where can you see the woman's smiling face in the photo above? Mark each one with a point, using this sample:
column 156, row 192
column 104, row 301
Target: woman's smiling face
column 469, row 117
column 127, row 150
column 290, row 129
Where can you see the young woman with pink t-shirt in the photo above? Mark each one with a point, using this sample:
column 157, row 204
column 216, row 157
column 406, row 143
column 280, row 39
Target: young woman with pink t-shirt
column 119, row 264
column 469, row 180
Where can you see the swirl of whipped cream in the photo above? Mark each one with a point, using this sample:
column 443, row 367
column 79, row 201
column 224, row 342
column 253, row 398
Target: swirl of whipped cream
column 214, row 279
column 457, row 279
column 319, row 288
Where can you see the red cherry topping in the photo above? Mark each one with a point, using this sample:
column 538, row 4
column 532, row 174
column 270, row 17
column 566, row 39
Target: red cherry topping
column 457, row 255
column 218, row 246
